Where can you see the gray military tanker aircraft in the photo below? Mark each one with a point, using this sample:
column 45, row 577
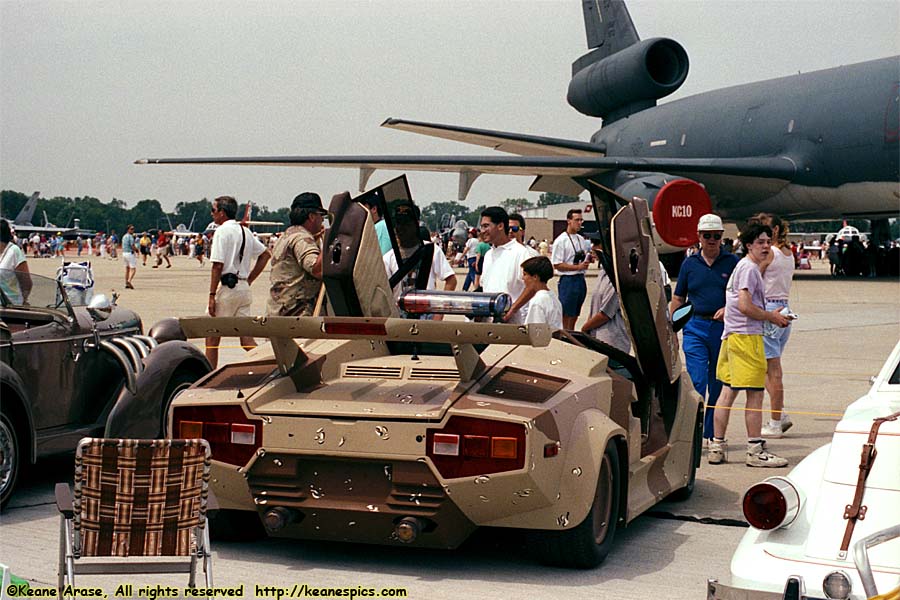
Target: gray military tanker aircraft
column 817, row 145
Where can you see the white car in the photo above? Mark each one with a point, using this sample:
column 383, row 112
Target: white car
column 802, row 543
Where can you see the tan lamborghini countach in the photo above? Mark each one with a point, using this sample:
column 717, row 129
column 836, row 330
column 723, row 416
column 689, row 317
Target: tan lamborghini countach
column 386, row 427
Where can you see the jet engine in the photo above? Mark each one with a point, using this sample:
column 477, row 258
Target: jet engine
column 676, row 203
column 630, row 80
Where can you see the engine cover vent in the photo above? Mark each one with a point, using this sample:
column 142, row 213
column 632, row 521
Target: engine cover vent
column 373, row 372
column 518, row 384
column 434, row 373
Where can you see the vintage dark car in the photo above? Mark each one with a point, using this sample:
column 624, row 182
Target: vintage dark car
column 68, row 371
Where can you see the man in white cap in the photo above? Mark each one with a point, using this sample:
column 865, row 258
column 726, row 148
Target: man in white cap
column 702, row 280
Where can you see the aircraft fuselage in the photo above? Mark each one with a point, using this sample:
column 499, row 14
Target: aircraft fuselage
column 840, row 127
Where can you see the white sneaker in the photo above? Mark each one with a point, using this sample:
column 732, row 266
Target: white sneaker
column 772, row 429
column 786, row 422
column 717, row 452
column 758, row 456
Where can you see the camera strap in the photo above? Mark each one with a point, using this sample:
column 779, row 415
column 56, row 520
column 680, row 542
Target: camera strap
column 241, row 252
column 574, row 249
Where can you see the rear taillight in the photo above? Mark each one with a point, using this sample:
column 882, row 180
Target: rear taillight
column 233, row 437
column 354, row 328
column 468, row 446
column 771, row 504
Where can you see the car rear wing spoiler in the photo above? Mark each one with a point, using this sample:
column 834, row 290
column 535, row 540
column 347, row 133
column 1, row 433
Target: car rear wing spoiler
column 281, row 331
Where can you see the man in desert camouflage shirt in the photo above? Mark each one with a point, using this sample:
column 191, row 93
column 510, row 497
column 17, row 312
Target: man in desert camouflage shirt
column 296, row 275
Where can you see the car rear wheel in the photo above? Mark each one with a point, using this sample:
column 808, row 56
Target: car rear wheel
column 587, row 545
column 235, row 526
column 10, row 457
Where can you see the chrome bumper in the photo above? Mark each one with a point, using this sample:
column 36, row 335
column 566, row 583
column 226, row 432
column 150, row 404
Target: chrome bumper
column 793, row 590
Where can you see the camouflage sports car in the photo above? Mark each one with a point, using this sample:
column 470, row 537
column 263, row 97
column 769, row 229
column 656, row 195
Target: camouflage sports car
column 68, row 371
column 367, row 427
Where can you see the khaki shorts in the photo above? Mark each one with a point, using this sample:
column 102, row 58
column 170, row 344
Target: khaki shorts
column 234, row 302
column 742, row 362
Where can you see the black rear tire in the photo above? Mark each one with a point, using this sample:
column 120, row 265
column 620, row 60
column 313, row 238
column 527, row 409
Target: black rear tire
column 235, row 526
column 587, row 545
column 11, row 457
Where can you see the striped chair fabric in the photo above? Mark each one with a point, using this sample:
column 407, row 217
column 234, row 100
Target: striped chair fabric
column 139, row 497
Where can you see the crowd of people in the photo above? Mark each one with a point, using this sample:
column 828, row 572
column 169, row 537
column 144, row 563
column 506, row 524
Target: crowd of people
column 497, row 257
column 739, row 330
column 733, row 343
column 847, row 256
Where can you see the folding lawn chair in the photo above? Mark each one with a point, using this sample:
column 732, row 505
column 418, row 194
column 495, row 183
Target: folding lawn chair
column 139, row 507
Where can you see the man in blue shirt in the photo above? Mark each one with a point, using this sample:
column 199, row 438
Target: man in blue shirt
column 702, row 281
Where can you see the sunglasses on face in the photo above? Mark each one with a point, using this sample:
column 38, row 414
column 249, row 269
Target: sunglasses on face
column 714, row 236
column 514, row 228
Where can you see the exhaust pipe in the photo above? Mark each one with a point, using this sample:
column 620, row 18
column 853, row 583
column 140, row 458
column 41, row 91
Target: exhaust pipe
column 408, row 529
column 280, row 517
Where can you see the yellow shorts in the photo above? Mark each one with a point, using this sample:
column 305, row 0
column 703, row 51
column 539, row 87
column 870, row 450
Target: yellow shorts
column 742, row 362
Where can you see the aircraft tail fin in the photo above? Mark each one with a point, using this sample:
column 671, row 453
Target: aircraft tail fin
column 609, row 29
column 248, row 214
column 27, row 213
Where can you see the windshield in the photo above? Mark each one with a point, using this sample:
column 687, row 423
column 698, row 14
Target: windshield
column 28, row 289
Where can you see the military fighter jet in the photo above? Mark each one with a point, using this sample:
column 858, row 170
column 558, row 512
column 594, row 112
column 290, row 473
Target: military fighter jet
column 23, row 227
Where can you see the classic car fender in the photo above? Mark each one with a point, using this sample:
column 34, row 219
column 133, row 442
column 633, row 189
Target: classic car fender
column 9, row 378
column 140, row 415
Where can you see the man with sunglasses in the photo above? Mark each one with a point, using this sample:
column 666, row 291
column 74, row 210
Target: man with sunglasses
column 237, row 260
column 517, row 232
column 702, row 281
column 296, row 275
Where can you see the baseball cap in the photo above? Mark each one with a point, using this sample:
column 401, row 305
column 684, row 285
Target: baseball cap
column 710, row 222
column 308, row 200
column 404, row 208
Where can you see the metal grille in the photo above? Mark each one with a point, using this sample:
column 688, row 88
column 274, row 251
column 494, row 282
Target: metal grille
column 441, row 374
column 373, row 372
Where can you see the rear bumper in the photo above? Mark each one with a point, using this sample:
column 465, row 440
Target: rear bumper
column 794, row 589
column 359, row 500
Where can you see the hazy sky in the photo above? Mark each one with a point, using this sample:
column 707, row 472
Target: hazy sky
column 88, row 87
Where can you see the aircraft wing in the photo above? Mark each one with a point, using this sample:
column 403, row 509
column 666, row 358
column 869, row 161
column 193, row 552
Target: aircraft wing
column 504, row 141
column 31, row 229
column 550, row 167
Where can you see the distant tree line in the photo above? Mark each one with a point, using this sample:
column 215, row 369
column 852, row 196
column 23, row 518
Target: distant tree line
column 433, row 212
column 115, row 214
column 148, row 214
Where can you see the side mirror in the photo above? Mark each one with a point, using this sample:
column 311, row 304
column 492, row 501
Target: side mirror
column 681, row 316
column 100, row 307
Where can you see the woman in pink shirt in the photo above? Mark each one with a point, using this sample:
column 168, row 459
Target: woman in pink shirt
column 778, row 271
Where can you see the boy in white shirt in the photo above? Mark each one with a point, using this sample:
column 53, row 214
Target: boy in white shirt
column 544, row 306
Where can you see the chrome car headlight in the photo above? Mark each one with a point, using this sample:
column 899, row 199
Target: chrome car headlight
column 836, row 585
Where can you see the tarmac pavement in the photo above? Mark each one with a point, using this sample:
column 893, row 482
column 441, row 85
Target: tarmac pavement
column 845, row 331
